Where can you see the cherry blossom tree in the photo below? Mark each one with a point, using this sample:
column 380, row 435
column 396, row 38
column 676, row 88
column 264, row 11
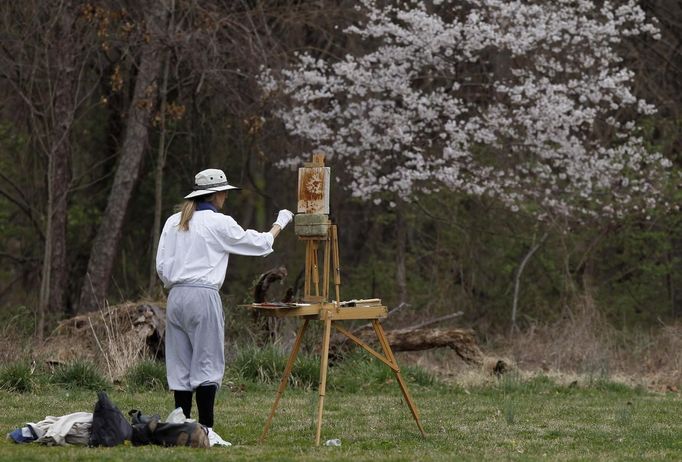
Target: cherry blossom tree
column 525, row 101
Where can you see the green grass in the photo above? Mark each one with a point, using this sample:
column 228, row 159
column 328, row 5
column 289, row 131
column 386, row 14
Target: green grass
column 17, row 377
column 148, row 375
column 513, row 420
column 79, row 375
column 359, row 372
column 265, row 364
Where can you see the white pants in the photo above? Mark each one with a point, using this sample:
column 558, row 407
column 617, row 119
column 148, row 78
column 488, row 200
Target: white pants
column 195, row 332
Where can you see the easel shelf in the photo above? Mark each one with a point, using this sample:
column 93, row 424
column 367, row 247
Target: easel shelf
column 320, row 311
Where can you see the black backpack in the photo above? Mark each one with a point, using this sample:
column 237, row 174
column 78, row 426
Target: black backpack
column 109, row 425
column 149, row 430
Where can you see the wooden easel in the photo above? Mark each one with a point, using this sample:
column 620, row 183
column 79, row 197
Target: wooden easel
column 316, row 306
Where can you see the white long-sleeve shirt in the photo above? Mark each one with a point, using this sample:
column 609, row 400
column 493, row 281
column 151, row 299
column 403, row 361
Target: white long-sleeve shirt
column 200, row 255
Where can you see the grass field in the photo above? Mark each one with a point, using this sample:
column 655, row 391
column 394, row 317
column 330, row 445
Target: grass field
column 512, row 420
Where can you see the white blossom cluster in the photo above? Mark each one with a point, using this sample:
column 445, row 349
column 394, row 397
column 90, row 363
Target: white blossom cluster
column 526, row 101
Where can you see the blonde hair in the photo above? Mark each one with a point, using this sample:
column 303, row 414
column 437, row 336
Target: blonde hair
column 187, row 209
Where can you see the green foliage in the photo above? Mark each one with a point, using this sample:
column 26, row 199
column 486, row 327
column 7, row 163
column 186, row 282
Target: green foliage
column 17, row 321
column 639, row 266
column 419, row 376
column 604, row 384
column 147, row 375
column 17, row 377
column 359, row 371
column 79, row 374
column 355, row 372
column 266, row 365
column 514, row 383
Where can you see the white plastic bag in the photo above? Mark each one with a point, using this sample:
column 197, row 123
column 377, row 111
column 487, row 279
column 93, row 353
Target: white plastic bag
column 214, row 439
column 177, row 416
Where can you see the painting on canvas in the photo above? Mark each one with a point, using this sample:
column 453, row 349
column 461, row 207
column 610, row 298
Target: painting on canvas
column 313, row 190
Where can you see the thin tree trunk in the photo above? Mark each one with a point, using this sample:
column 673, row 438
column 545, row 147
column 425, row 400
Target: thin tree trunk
column 675, row 276
column 517, row 278
column 158, row 187
column 105, row 246
column 400, row 270
column 43, row 302
column 160, row 164
column 55, row 269
column 61, row 178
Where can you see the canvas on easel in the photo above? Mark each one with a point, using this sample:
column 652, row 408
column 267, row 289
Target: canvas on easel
column 313, row 189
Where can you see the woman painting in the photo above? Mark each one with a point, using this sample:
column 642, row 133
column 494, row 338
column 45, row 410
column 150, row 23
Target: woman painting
column 192, row 258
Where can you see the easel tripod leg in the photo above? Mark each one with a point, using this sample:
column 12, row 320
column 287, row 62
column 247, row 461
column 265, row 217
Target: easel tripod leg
column 381, row 335
column 324, row 361
column 285, row 378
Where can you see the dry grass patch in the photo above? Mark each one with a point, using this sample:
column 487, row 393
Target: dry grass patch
column 117, row 338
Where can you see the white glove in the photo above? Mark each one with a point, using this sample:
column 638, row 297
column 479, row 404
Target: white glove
column 283, row 218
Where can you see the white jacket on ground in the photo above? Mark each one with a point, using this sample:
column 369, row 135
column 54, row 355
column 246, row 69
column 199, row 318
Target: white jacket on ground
column 68, row 429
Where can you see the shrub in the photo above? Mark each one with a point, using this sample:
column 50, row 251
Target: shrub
column 17, row 377
column 355, row 371
column 79, row 374
column 419, row 376
column 512, row 382
column 147, row 375
column 358, row 370
column 16, row 333
column 18, row 321
column 306, row 372
column 603, row 384
column 266, row 365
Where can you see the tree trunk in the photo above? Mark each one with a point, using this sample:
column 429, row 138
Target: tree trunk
column 105, row 246
column 55, row 269
column 674, row 277
column 400, row 269
column 158, row 180
column 517, row 278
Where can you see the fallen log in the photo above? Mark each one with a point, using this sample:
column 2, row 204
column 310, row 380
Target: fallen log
column 462, row 341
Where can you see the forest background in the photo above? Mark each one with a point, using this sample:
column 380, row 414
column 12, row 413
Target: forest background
column 109, row 108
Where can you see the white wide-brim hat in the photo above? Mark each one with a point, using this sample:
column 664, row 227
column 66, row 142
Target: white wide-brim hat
column 209, row 181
